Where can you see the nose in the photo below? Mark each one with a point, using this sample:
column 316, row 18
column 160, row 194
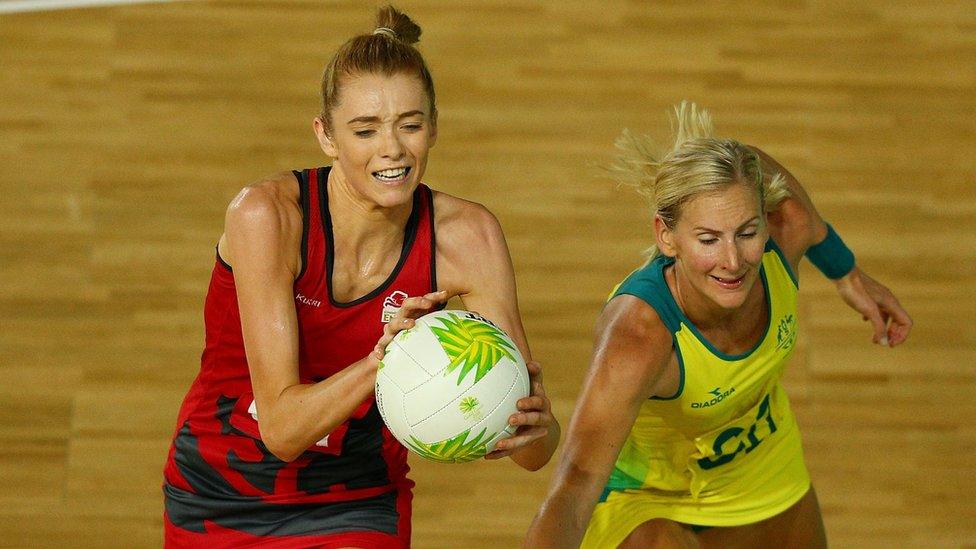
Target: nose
column 391, row 147
column 733, row 257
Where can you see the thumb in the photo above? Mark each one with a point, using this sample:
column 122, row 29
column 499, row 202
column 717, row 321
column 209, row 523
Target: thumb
column 873, row 315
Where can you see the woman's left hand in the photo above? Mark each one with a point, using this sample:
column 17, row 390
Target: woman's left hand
column 876, row 304
column 533, row 418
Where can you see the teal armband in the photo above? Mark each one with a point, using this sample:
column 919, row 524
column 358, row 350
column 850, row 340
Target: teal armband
column 831, row 256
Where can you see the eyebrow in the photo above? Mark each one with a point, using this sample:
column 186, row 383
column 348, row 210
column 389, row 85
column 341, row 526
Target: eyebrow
column 706, row 229
column 374, row 119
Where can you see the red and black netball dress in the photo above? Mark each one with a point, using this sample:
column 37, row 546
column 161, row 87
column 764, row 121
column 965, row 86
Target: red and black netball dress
column 223, row 486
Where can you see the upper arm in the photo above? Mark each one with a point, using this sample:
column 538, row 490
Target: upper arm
column 794, row 224
column 261, row 240
column 632, row 350
column 473, row 262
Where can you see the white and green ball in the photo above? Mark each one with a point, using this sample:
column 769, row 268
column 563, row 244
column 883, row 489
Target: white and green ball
column 447, row 386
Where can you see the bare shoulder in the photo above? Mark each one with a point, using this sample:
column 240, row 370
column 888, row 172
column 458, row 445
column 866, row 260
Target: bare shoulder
column 472, row 255
column 275, row 194
column 467, row 232
column 633, row 320
column 632, row 341
column 264, row 212
column 458, row 218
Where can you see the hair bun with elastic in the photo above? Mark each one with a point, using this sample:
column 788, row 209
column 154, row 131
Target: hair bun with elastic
column 387, row 31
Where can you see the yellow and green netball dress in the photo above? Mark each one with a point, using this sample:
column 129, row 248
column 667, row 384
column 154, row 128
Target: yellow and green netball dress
column 724, row 450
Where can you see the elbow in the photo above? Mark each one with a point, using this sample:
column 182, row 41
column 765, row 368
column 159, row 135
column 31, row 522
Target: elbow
column 793, row 221
column 279, row 446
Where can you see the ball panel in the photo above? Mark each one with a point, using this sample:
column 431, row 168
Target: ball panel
column 491, row 397
column 401, row 369
column 389, row 400
column 421, row 343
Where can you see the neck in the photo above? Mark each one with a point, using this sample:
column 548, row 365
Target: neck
column 365, row 235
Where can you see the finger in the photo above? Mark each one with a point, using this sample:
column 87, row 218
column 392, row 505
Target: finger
column 880, row 328
column 440, row 296
column 414, row 306
column 498, row 454
column 535, row 419
column 523, row 439
column 537, row 389
column 532, row 403
column 898, row 313
column 535, row 369
column 898, row 331
column 397, row 325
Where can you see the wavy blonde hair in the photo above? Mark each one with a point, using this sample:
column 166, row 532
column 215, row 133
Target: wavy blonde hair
column 697, row 162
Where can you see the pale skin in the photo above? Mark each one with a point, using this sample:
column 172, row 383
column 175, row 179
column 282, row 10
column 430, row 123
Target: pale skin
column 717, row 242
column 381, row 124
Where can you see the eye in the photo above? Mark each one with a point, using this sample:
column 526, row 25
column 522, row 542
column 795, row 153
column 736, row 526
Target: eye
column 413, row 126
column 364, row 133
column 747, row 235
column 708, row 241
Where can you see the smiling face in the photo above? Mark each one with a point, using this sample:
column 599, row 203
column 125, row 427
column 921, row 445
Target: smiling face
column 717, row 242
column 381, row 132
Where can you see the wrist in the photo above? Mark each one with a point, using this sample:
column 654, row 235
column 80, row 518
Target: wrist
column 831, row 256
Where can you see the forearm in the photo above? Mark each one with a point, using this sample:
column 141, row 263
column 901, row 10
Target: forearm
column 562, row 519
column 303, row 414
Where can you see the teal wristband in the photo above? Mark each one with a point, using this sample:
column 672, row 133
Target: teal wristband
column 831, row 256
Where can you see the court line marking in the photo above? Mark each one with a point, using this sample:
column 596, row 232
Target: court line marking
column 17, row 6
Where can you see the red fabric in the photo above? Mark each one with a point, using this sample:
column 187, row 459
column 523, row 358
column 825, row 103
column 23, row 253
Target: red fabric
column 331, row 337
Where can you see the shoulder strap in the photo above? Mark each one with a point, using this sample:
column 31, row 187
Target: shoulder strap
column 648, row 284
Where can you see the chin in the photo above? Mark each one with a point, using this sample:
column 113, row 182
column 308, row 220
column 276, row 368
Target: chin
column 734, row 298
column 730, row 302
column 393, row 197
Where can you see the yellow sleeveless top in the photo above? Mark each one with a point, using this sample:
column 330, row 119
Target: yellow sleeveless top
column 724, row 450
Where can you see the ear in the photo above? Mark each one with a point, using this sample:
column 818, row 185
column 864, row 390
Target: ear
column 325, row 140
column 664, row 237
column 433, row 129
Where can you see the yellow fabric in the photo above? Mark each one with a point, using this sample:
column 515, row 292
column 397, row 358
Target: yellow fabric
column 725, row 451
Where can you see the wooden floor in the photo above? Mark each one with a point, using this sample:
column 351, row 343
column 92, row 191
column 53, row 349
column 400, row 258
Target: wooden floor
column 125, row 131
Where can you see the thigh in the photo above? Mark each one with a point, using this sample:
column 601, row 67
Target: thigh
column 661, row 533
column 800, row 526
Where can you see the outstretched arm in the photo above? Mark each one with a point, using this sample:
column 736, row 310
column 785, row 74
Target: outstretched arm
column 631, row 352
column 796, row 226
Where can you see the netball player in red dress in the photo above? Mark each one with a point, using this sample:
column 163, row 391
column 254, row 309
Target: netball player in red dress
column 279, row 442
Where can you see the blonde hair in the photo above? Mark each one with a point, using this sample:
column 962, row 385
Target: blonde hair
column 696, row 163
column 386, row 50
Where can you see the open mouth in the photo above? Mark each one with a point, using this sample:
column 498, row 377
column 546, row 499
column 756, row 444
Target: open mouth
column 392, row 175
column 729, row 283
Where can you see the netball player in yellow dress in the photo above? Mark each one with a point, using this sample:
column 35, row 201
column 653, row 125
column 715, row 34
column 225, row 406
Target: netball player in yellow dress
column 682, row 435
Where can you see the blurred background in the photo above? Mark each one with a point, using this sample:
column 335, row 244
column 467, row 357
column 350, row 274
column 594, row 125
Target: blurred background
column 126, row 130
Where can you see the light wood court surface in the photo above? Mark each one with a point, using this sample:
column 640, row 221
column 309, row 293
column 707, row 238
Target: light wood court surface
column 124, row 132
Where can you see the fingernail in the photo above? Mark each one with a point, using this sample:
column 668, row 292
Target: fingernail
column 884, row 341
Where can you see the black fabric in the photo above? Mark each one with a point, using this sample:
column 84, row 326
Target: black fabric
column 253, row 516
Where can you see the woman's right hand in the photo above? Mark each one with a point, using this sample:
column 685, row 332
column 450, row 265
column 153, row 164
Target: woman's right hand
column 412, row 309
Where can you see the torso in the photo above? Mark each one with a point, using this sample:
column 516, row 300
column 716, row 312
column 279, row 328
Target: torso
column 359, row 458
column 700, row 441
column 353, row 278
